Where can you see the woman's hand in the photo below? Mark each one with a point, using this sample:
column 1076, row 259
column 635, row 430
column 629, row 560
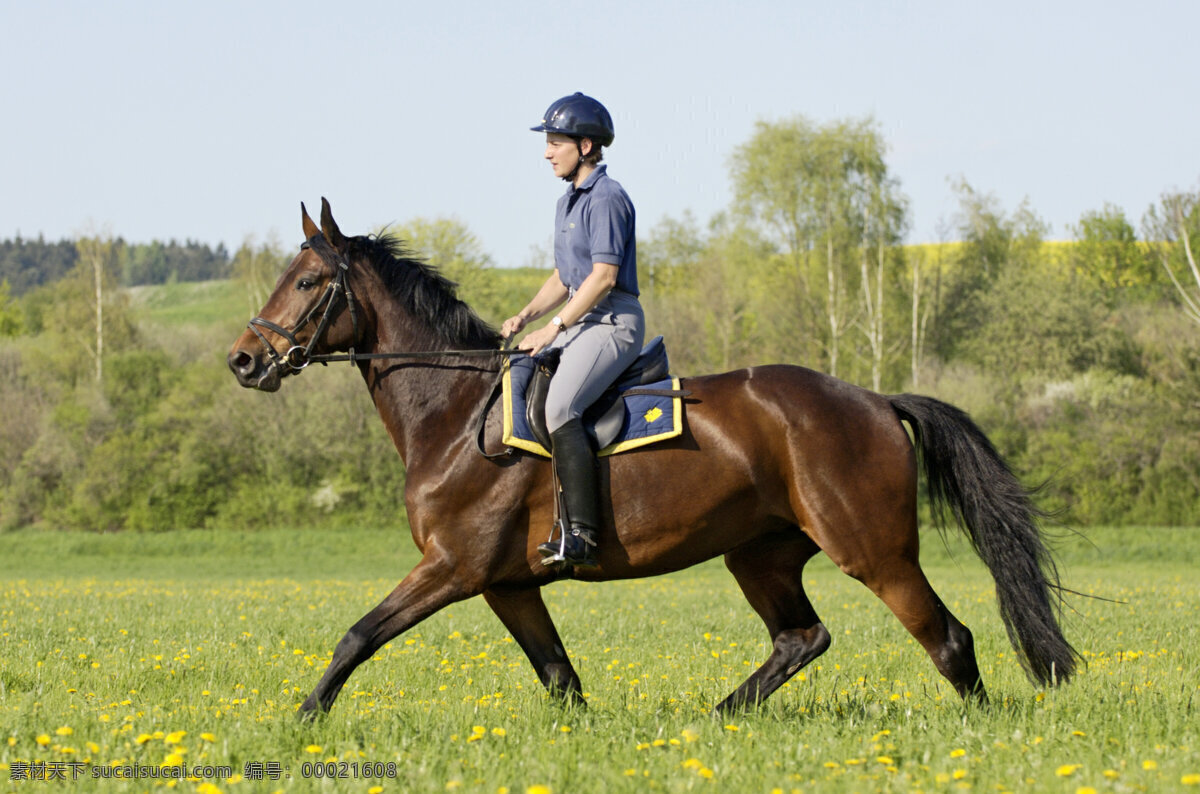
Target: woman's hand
column 538, row 340
column 512, row 326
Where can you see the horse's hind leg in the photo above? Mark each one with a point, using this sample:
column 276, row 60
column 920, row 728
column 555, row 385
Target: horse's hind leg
column 524, row 614
column 769, row 570
column 901, row 584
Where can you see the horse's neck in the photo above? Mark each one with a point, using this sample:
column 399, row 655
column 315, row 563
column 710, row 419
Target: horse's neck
column 427, row 405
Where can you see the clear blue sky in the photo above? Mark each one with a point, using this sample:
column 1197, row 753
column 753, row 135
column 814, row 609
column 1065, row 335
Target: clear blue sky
column 213, row 120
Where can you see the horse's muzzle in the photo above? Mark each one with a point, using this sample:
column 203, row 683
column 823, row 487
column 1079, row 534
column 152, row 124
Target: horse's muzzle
column 252, row 372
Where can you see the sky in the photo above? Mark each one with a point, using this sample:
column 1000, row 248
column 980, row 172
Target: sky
column 212, row 121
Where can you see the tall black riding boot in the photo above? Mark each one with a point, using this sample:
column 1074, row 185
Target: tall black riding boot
column 579, row 477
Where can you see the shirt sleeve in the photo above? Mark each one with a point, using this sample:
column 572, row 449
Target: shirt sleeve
column 610, row 228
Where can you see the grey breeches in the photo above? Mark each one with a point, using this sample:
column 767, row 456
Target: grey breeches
column 596, row 350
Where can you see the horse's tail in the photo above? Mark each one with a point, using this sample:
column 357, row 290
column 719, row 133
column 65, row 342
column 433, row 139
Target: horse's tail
column 965, row 472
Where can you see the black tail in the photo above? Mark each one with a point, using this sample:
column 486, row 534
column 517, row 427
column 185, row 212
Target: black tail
column 965, row 472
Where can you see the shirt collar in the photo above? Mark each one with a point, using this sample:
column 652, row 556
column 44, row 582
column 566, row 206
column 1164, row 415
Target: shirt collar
column 597, row 172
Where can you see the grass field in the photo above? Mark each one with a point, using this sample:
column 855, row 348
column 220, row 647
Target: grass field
column 190, row 649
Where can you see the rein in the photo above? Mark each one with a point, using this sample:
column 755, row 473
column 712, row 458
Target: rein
column 299, row 356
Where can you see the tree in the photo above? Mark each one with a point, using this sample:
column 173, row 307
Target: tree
column 1173, row 228
column 97, row 258
column 824, row 195
column 1107, row 251
column 10, row 315
column 992, row 243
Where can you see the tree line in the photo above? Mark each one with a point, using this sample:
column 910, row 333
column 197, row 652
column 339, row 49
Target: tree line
column 1081, row 359
column 28, row 264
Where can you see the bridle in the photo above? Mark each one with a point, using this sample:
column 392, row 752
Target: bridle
column 299, row 356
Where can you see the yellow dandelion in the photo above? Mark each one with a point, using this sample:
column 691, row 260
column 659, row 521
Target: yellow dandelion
column 1149, row 765
column 538, row 789
column 1066, row 770
column 885, row 760
column 208, row 737
column 732, row 728
column 173, row 759
column 692, row 763
column 43, row 740
column 375, row 790
column 175, row 737
column 143, row 738
column 958, row 752
column 1111, row 774
column 313, row 749
column 207, row 788
column 959, row 774
column 65, row 730
column 689, row 735
column 1190, row 780
column 705, row 773
column 1085, row 790
column 499, row 732
column 565, row 729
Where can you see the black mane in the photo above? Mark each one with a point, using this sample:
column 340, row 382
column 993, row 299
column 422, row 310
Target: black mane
column 428, row 296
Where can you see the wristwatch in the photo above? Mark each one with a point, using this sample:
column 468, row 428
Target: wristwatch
column 557, row 321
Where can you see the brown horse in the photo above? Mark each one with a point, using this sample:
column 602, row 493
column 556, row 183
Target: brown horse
column 775, row 464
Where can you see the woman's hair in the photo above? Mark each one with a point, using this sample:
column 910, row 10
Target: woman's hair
column 593, row 158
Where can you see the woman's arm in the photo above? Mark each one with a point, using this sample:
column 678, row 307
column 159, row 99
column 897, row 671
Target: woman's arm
column 598, row 284
column 551, row 294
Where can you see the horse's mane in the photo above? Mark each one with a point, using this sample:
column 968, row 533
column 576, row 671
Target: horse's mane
column 428, row 296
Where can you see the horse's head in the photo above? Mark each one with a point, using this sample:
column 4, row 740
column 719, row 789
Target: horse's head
column 310, row 311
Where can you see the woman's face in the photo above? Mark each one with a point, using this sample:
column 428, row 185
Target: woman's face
column 562, row 153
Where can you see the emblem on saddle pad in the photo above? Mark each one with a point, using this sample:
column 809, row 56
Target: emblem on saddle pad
column 644, row 406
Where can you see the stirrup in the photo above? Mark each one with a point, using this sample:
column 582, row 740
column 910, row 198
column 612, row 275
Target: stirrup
column 572, row 548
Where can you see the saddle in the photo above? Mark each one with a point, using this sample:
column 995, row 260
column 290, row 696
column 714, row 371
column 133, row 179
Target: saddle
column 644, row 405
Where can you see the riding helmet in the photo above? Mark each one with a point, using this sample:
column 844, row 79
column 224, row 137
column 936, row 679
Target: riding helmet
column 579, row 116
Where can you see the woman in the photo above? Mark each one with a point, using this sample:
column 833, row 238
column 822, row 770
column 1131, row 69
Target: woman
column 601, row 327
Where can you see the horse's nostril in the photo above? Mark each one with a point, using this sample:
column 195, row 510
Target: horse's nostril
column 241, row 361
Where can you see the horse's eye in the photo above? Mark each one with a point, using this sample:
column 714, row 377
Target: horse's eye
column 305, row 284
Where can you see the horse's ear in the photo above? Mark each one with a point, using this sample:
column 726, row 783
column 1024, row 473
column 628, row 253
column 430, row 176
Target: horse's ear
column 332, row 233
column 310, row 228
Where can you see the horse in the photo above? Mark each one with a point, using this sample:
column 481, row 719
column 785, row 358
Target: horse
column 776, row 463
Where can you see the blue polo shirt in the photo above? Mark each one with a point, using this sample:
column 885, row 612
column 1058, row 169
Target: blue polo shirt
column 595, row 223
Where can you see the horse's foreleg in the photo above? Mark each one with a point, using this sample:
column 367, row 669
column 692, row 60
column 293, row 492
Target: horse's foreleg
column 523, row 613
column 427, row 588
column 769, row 570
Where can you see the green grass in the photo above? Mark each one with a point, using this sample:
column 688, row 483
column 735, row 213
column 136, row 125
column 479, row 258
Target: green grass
column 198, row 646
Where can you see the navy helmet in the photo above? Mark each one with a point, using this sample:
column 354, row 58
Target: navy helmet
column 579, row 116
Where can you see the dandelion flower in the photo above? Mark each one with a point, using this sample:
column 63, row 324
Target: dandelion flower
column 1066, row 770
column 43, row 740
column 538, row 789
column 958, row 752
column 1149, row 765
column 65, row 730
column 313, row 749
column 1190, row 780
